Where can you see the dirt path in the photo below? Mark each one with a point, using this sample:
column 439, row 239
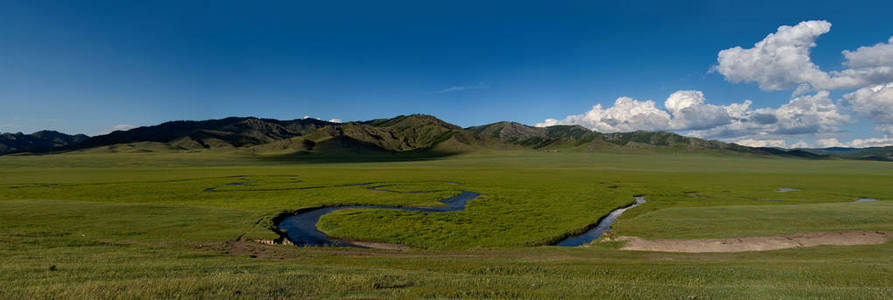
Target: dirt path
column 762, row 243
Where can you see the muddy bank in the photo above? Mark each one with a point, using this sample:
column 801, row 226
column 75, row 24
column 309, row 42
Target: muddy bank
column 764, row 243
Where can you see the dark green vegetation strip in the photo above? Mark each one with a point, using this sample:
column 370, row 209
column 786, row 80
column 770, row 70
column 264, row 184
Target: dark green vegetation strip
column 140, row 225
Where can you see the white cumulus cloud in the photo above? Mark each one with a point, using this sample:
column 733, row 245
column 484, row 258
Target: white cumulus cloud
column 874, row 103
column 627, row 114
column 778, row 62
column 855, row 143
column 880, row 54
column 781, row 61
column 688, row 111
column 691, row 113
column 762, row 143
column 809, row 114
column 871, row 142
column 685, row 110
column 800, row 144
column 803, row 115
column 820, row 143
column 829, row 142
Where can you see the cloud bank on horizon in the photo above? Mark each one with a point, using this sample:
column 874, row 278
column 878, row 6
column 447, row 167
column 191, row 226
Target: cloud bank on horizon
column 781, row 61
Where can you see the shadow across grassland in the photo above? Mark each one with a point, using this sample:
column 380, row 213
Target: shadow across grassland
column 323, row 158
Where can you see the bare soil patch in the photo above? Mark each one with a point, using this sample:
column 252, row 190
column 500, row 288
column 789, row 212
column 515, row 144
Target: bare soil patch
column 762, row 243
column 254, row 249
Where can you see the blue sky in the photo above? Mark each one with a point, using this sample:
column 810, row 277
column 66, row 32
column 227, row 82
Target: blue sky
column 87, row 66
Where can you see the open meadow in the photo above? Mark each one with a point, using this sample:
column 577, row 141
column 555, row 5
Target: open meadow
column 91, row 225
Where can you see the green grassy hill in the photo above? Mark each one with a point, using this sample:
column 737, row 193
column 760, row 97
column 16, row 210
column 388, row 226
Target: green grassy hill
column 224, row 133
column 403, row 137
column 575, row 137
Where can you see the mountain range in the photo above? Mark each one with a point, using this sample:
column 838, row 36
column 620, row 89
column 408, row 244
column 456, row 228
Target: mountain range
column 410, row 135
column 41, row 141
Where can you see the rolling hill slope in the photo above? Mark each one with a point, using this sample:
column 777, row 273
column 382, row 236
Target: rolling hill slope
column 231, row 132
column 575, row 137
column 872, row 153
column 408, row 134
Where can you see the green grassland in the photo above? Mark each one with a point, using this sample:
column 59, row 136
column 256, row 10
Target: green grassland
column 95, row 224
column 758, row 220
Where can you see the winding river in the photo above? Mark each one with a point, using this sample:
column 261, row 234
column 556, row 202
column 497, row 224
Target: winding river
column 300, row 228
column 603, row 225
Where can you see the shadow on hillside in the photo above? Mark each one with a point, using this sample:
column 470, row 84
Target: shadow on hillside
column 343, row 149
column 382, row 156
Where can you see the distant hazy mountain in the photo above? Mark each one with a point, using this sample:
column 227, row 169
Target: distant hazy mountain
column 580, row 138
column 412, row 134
column 41, row 141
column 873, row 153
